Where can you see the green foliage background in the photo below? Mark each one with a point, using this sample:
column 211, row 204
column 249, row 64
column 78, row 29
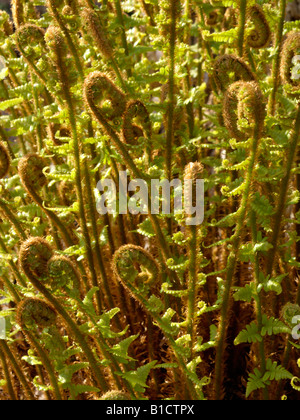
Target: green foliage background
column 145, row 306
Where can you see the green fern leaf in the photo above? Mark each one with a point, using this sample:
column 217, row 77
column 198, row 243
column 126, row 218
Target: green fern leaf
column 250, row 334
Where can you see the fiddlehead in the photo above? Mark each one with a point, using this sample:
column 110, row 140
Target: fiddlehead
column 33, row 312
column 137, row 270
column 240, row 93
column 30, row 170
column 240, row 103
column 62, row 272
column 136, row 124
column 131, row 132
column 4, row 160
column 261, row 34
column 95, row 28
column 53, row 7
column 98, row 88
column 34, row 256
column 56, row 43
column 288, row 69
column 31, row 44
column 227, row 64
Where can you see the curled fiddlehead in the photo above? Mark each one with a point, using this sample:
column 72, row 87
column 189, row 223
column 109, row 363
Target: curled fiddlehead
column 31, row 44
column 243, row 100
column 227, row 64
column 261, row 34
column 34, row 256
column 137, row 270
column 99, row 88
column 29, row 36
column 30, row 170
column 70, row 18
column 33, row 312
column 289, row 60
column 56, row 43
column 96, row 30
column 4, row 160
column 131, row 132
column 61, row 272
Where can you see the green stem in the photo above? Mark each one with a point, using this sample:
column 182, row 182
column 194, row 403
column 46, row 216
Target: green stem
column 18, row 371
column 92, row 206
column 258, row 302
column 13, row 219
column 231, row 266
column 241, row 28
column 171, row 100
column 7, row 377
column 119, row 12
column 46, row 363
column 12, row 263
column 276, row 61
column 192, row 295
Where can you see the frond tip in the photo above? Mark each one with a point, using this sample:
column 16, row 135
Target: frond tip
column 244, row 100
column 97, row 88
column 137, row 270
column 34, row 256
column 30, row 170
column 290, row 59
column 227, row 64
column 33, row 312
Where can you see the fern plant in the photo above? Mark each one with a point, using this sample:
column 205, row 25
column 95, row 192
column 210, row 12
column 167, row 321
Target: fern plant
column 142, row 304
